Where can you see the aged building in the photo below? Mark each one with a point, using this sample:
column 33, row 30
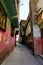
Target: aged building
column 7, row 34
column 22, row 29
column 36, row 16
column 28, row 35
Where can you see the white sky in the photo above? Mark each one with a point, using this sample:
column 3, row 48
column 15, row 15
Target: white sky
column 23, row 9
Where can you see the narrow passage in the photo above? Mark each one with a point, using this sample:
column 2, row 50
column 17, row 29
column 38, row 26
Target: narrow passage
column 20, row 56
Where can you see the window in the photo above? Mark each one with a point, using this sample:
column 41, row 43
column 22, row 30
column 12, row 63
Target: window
column 3, row 18
column 12, row 31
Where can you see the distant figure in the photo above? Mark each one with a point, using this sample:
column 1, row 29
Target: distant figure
column 23, row 35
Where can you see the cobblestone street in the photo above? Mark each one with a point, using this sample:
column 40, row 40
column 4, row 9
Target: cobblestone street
column 21, row 56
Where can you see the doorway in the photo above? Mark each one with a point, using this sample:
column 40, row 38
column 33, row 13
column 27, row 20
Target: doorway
column 42, row 38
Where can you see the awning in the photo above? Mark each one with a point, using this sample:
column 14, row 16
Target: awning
column 9, row 7
column 14, row 22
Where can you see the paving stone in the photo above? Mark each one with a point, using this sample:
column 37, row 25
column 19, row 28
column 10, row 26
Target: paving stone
column 21, row 56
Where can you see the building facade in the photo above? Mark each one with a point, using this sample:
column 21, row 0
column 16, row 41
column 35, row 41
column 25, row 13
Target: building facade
column 35, row 10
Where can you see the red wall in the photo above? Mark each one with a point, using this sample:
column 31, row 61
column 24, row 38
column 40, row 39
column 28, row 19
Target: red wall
column 7, row 43
column 37, row 45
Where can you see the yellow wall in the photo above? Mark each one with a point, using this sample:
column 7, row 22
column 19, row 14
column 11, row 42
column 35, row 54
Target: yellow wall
column 28, row 29
column 40, row 4
column 39, row 19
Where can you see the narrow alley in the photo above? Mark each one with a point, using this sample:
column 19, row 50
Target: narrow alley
column 21, row 56
column 21, row 32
